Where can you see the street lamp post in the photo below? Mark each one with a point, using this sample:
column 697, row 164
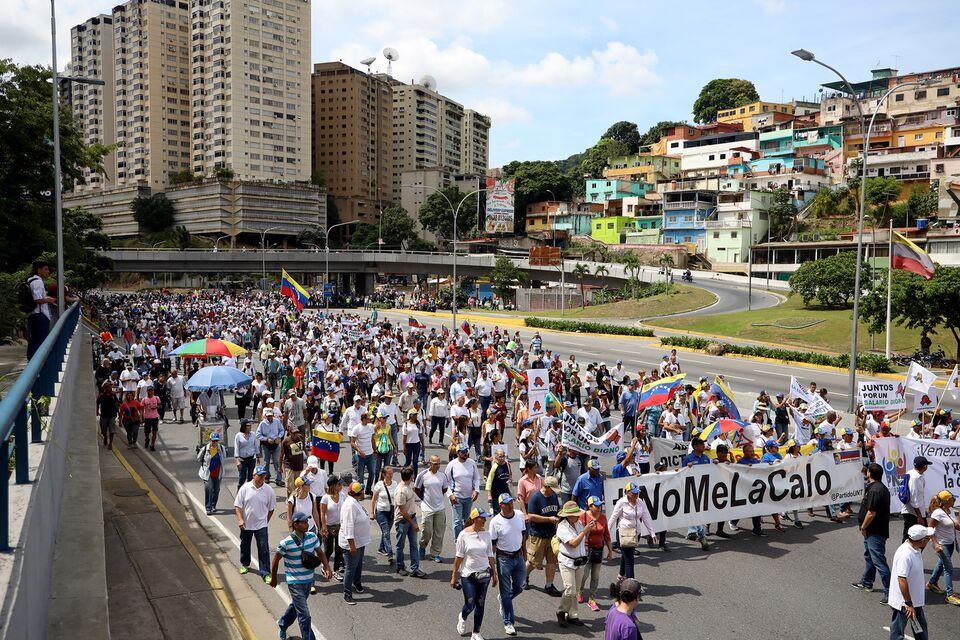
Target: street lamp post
column 807, row 56
column 217, row 242
column 326, row 273
column 553, row 229
column 263, row 254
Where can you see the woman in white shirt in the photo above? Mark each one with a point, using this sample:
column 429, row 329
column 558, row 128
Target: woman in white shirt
column 301, row 500
column 381, row 510
column 439, row 413
column 945, row 525
column 410, row 434
column 572, row 558
column 330, row 524
column 629, row 513
column 474, row 570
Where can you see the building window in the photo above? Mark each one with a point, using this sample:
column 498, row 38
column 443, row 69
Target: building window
column 609, row 225
column 898, row 97
column 944, row 91
column 920, row 95
column 918, row 136
column 599, row 226
column 733, row 235
column 716, row 234
column 711, row 157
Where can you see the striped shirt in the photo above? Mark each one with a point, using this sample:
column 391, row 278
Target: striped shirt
column 289, row 549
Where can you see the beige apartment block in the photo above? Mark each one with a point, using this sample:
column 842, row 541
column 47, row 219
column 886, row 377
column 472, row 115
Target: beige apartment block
column 476, row 142
column 352, row 138
column 92, row 56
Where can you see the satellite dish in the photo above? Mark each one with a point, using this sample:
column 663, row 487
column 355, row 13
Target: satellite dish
column 367, row 62
column 390, row 54
column 428, row 82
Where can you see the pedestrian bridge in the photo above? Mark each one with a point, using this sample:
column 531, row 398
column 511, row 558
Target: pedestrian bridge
column 357, row 262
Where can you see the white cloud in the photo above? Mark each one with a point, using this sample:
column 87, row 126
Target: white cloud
column 25, row 28
column 610, row 24
column 771, row 7
column 554, row 69
column 624, row 70
column 501, row 111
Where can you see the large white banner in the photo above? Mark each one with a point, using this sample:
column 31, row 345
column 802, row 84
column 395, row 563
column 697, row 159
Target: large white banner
column 576, row 437
column 704, row 493
column 670, row 452
column 896, row 456
column 876, row 395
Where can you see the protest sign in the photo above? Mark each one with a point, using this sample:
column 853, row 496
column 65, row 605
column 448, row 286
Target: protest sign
column 877, row 395
column 925, row 401
column 896, row 456
column 710, row 493
column 576, row 437
column 670, row 452
column 797, row 390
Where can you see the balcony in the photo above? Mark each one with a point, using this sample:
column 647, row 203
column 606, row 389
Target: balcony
column 910, row 175
column 687, row 204
column 727, row 224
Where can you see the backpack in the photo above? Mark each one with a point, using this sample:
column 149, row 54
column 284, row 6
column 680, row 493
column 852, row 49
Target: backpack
column 25, row 296
column 383, row 443
column 903, row 489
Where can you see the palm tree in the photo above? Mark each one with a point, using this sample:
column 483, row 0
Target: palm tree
column 631, row 264
column 601, row 270
column 581, row 271
column 666, row 263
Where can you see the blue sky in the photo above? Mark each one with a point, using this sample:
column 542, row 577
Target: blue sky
column 554, row 74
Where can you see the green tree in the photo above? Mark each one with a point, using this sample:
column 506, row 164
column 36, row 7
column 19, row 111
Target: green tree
column 399, row 229
column 181, row 237
column 923, row 203
column 185, row 176
column 782, row 213
column 830, row 281
column 581, row 271
column 632, row 266
column 83, row 239
column 153, row 213
column 626, row 133
column 26, row 163
column 505, row 276
column 596, row 157
column 720, row 94
column 437, row 217
column 916, row 303
column 824, row 203
column 601, row 270
column 536, row 181
column 880, row 191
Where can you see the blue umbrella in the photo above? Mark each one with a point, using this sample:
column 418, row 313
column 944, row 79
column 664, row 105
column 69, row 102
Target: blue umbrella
column 218, row 378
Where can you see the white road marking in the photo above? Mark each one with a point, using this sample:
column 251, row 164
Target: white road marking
column 727, row 375
column 230, row 535
column 905, row 636
column 772, row 373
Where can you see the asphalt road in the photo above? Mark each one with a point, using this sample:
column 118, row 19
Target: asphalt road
column 793, row 585
column 731, row 297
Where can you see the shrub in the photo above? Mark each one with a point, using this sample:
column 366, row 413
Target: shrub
column 865, row 361
column 587, row 327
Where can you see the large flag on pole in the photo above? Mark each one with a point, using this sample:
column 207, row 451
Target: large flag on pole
column 724, row 396
column 292, row 289
column 906, row 256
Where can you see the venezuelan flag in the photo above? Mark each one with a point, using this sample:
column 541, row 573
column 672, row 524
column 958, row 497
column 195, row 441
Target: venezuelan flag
column 326, row 445
column 659, row 391
column 416, row 324
column 292, row 289
column 465, row 327
column 444, row 330
column 724, row 396
column 513, row 373
column 724, row 425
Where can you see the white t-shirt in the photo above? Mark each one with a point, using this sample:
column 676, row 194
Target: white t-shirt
column 945, row 530
column 333, row 509
column 364, row 435
column 256, row 504
column 567, row 532
column 38, row 292
column 907, row 563
column 304, row 505
column 384, row 499
column 411, row 432
column 475, row 549
column 508, row 532
column 354, row 523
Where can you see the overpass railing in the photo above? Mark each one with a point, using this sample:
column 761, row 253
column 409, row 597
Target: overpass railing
column 20, row 409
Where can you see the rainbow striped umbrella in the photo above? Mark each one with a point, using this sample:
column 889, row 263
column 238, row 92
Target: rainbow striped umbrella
column 208, row 347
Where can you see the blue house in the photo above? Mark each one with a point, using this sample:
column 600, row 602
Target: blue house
column 684, row 212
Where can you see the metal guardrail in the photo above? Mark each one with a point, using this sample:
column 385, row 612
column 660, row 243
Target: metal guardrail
column 38, row 379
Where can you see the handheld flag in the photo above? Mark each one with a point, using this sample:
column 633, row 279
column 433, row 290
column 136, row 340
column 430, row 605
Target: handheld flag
column 660, row 391
column 465, row 327
column 724, row 425
column 444, row 330
column 953, row 384
column 416, row 324
column 919, row 378
column 326, row 445
column 292, row 289
column 907, row 256
column 724, row 396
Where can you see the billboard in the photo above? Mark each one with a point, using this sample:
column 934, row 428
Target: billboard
column 499, row 206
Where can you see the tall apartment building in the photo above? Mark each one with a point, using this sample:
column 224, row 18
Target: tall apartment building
column 92, row 56
column 201, row 85
column 250, row 88
column 152, row 94
column 352, row 138
column 429, row 131
column 476, row 142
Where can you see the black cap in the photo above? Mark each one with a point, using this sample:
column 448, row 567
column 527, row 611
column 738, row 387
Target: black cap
column 920, row 461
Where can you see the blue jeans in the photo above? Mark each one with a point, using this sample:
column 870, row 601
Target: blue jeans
column 247, row 466
column 899, row 624
column 411, row 456
column 461, row 511
column 406, row 536
column 474, row 597
column 271, row 455
column 263, row 549
column 385, row 520
column 512, row 572
column 298, row 609
column 700, row 531
column 484, row 406
column 211, row 492
column 944, row 566
column 353, row 576
column 366, row 469
column 875, row 561
column 626, row 560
